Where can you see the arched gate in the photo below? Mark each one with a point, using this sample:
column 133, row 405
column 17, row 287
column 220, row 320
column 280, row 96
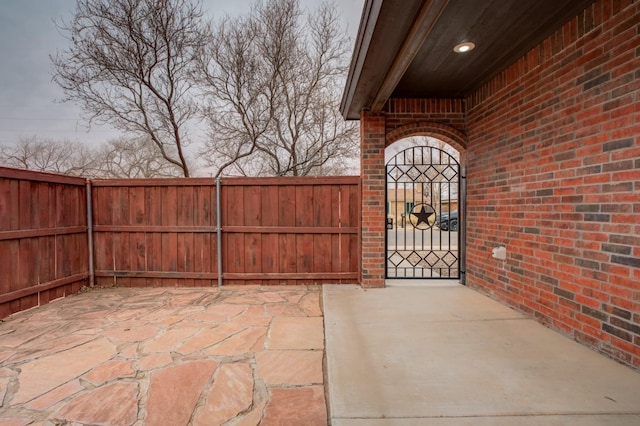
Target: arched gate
column 424, row 198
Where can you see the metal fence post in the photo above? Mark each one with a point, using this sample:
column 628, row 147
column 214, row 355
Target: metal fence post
column 219, row 232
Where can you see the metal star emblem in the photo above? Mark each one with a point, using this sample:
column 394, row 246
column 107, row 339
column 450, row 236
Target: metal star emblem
column 423, row 216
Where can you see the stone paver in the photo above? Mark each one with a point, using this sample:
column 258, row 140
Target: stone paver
column 296, row 333
column 45, row 374
column 296, row 406
column 112, row 404
column 154, row 361
column 290, row 367
column 249, row 340
column 174, row 392
column 110, row 370
column 231, row 394
column 166, row 356
column 56, row 395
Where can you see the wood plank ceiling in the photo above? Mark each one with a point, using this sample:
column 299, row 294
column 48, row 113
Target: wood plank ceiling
column 404, row 48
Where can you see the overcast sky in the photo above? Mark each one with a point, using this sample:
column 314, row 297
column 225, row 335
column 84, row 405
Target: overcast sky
column 29, row 100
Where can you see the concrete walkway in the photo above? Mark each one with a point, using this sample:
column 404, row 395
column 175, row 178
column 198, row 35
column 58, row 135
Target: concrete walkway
column 166, row 356
column 447, row 355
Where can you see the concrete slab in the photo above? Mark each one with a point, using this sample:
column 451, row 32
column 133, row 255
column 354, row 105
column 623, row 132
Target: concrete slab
column 436, row 282
column 566, row 420
column 449, row 355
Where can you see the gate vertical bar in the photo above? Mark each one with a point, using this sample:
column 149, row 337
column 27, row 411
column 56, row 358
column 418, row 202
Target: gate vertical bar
column 219, row 232
column 462, row 225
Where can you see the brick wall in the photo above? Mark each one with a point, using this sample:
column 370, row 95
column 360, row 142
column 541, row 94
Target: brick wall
column 404, row 114
column 372, row 171
column 440, row 118
column 552, row 149
column 553, row 167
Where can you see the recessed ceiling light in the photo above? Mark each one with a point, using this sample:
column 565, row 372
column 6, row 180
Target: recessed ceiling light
column 464, row 47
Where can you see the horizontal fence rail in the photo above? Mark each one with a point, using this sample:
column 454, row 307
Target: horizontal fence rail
column 43, row 238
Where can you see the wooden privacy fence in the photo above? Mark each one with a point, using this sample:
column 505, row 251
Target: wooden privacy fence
column 164, row 232
column 43, row 238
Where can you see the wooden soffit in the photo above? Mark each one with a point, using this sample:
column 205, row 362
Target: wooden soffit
column 404, row 48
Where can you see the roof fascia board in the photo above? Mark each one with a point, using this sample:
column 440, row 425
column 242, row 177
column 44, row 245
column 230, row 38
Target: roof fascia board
column 368, row 20
column 420, row 30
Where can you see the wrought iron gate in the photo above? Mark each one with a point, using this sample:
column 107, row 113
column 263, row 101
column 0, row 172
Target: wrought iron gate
column 423, row 195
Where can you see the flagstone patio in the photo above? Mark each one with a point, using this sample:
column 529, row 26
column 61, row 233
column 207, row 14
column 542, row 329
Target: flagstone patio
column 166, row 356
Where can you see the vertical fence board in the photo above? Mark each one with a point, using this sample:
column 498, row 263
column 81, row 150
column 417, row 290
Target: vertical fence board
column 186, row 215
column 60, row 210
column 153, row 240
column 24, row 205
column 287, row 205
column 52, row 205
column 270, row 253
column 169, row 206
column 6, row 278
column 35, row 205
column 321, row 253
column 269, row 203
column 14, row 206
column 336, row 248
column 101, row 257
column 137, row 248
column 5, row 203
column 189, row 256
column 78, row 255
column 304, row 253
column 235, row 207
column 310, row 245
column 44, row 272
column 169, row 240
column 11, row 266
column 44, row 205
column 252, row 216
column 322, row 210
column 233, row 250
column 304, row 206
column 184, row 206
column 252, row 206
column 152, row 206
column 322, row 206
column 287, row 249
column 180, row 253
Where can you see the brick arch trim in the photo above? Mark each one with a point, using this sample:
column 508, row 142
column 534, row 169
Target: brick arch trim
column 449, row 134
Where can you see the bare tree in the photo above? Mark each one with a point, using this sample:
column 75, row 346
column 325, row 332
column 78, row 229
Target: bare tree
column 130, row 63
column 274, row 80
column 49, row 155
column 132, row 158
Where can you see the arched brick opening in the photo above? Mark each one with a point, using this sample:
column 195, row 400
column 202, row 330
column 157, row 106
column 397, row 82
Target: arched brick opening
column 445, row 133
column 377, row 131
